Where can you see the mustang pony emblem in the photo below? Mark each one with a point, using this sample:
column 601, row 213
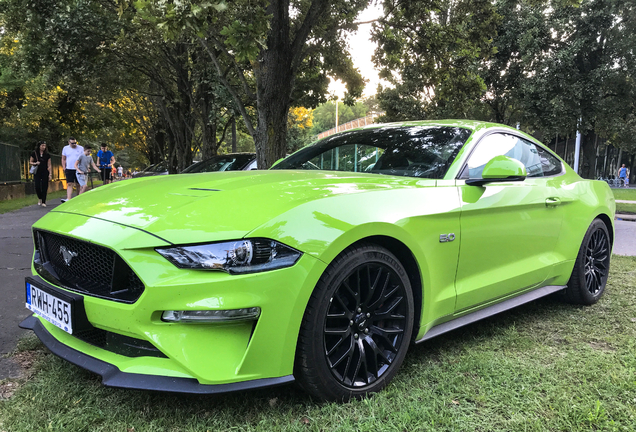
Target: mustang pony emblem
column 67, row 255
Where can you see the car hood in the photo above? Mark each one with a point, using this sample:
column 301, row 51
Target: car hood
column 194, row 208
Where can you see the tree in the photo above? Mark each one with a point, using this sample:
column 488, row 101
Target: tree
column 269, row 54
column 429, row 51
column 522, row 35
column 121, row 72
column 299, row 128
column 583, row 77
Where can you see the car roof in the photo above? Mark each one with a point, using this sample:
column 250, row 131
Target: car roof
column 466, row 124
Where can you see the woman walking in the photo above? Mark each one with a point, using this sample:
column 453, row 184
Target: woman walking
column 42, row 160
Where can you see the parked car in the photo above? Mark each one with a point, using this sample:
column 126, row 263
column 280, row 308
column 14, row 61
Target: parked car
column 226, row 162
column 323, row 270
column 160, row 168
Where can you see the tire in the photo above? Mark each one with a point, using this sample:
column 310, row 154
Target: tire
column 591, row 268
column 357, row 326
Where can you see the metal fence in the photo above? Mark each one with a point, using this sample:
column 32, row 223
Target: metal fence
column 10, row 163
column 56, row 166
column 349, row 125
column 14, row 165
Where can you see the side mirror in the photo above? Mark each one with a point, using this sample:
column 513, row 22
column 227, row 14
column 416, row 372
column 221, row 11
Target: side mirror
column 500, row 169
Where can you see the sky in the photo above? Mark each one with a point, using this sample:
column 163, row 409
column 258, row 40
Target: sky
column 362, row 49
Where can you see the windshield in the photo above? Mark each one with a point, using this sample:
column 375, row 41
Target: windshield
column 221, row 163
column 160, row 167
column 417, row 151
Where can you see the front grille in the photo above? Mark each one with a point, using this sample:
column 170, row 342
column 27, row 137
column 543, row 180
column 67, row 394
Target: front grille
column 85, row 267
column 119, row 344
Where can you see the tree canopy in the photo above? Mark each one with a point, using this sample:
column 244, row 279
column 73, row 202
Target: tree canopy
column 170, row 80
column 269, row 55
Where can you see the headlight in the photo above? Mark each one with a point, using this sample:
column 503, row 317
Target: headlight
column 234, row 257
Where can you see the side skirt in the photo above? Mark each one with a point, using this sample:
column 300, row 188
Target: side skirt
column 490, row 311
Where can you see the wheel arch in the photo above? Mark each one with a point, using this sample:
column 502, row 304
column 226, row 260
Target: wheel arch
column 608, row 224
column 407, row 259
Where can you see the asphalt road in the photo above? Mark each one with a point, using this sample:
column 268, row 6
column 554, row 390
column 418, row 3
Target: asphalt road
column 625, row 243
column 16, row 249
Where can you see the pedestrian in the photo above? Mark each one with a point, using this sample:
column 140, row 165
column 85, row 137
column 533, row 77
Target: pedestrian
column 70, row 154
column 120, row 171
column 83, row 166
column 105, row 160
column 42, row 160
column 113, row 172
column 622, row 174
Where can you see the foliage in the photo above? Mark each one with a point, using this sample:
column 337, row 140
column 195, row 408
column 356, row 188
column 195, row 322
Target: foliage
column 429, row 51
column 268, row 55
column 299, row 128
column 554, row 66
column 112, row 78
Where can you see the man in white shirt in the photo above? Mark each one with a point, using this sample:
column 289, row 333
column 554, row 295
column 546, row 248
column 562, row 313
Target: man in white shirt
column 70, row 154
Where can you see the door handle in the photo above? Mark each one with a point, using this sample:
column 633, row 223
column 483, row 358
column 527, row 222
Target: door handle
column 552, row 202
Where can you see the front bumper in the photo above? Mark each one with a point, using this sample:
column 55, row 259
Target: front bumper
column 113, row 377
column 199, row 358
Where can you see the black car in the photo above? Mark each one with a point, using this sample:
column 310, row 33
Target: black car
column 226, row 162
column 160, row 168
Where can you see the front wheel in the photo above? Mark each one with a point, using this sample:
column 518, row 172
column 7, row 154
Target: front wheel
column 357, row 325
column 591, row 269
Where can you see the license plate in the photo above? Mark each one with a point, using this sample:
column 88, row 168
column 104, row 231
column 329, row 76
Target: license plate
column 49, row 307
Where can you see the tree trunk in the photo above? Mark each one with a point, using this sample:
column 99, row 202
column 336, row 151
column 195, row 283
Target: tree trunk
column 271, row 132
column 588, row 155
column 274, row 93
column 274, row 83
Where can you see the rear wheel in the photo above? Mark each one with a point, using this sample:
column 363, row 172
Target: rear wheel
column 591, row 269
column 357, row 325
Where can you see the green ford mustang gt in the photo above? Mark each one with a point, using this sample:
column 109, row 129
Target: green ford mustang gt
column 323, row 269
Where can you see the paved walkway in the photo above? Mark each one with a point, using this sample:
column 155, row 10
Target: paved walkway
column 15, row 264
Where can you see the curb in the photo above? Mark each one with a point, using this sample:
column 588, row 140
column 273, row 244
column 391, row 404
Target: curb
column 623, row 216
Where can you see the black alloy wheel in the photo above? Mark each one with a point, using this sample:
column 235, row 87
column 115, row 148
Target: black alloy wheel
column 365, row 324
column 591, row 268
column 357, row 326
column 597, row 256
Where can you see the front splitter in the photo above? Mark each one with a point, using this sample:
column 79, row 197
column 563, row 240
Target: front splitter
column 113, row 377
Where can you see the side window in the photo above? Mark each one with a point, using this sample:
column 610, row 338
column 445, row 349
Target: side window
column 507, row 145
column 549, row 164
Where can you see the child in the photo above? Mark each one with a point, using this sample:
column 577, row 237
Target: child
column 82, row 165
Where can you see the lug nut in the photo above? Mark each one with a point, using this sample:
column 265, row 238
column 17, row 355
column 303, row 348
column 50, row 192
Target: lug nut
column 359, row 310
column 366, row 331
column 350, row 322
column 355, row 336
column 368, row 315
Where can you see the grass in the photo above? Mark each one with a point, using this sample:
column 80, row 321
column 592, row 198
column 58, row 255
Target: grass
column 625, row 208
column 18, row 203
column 29, row 200
column 545, row 366
column 625, row 194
